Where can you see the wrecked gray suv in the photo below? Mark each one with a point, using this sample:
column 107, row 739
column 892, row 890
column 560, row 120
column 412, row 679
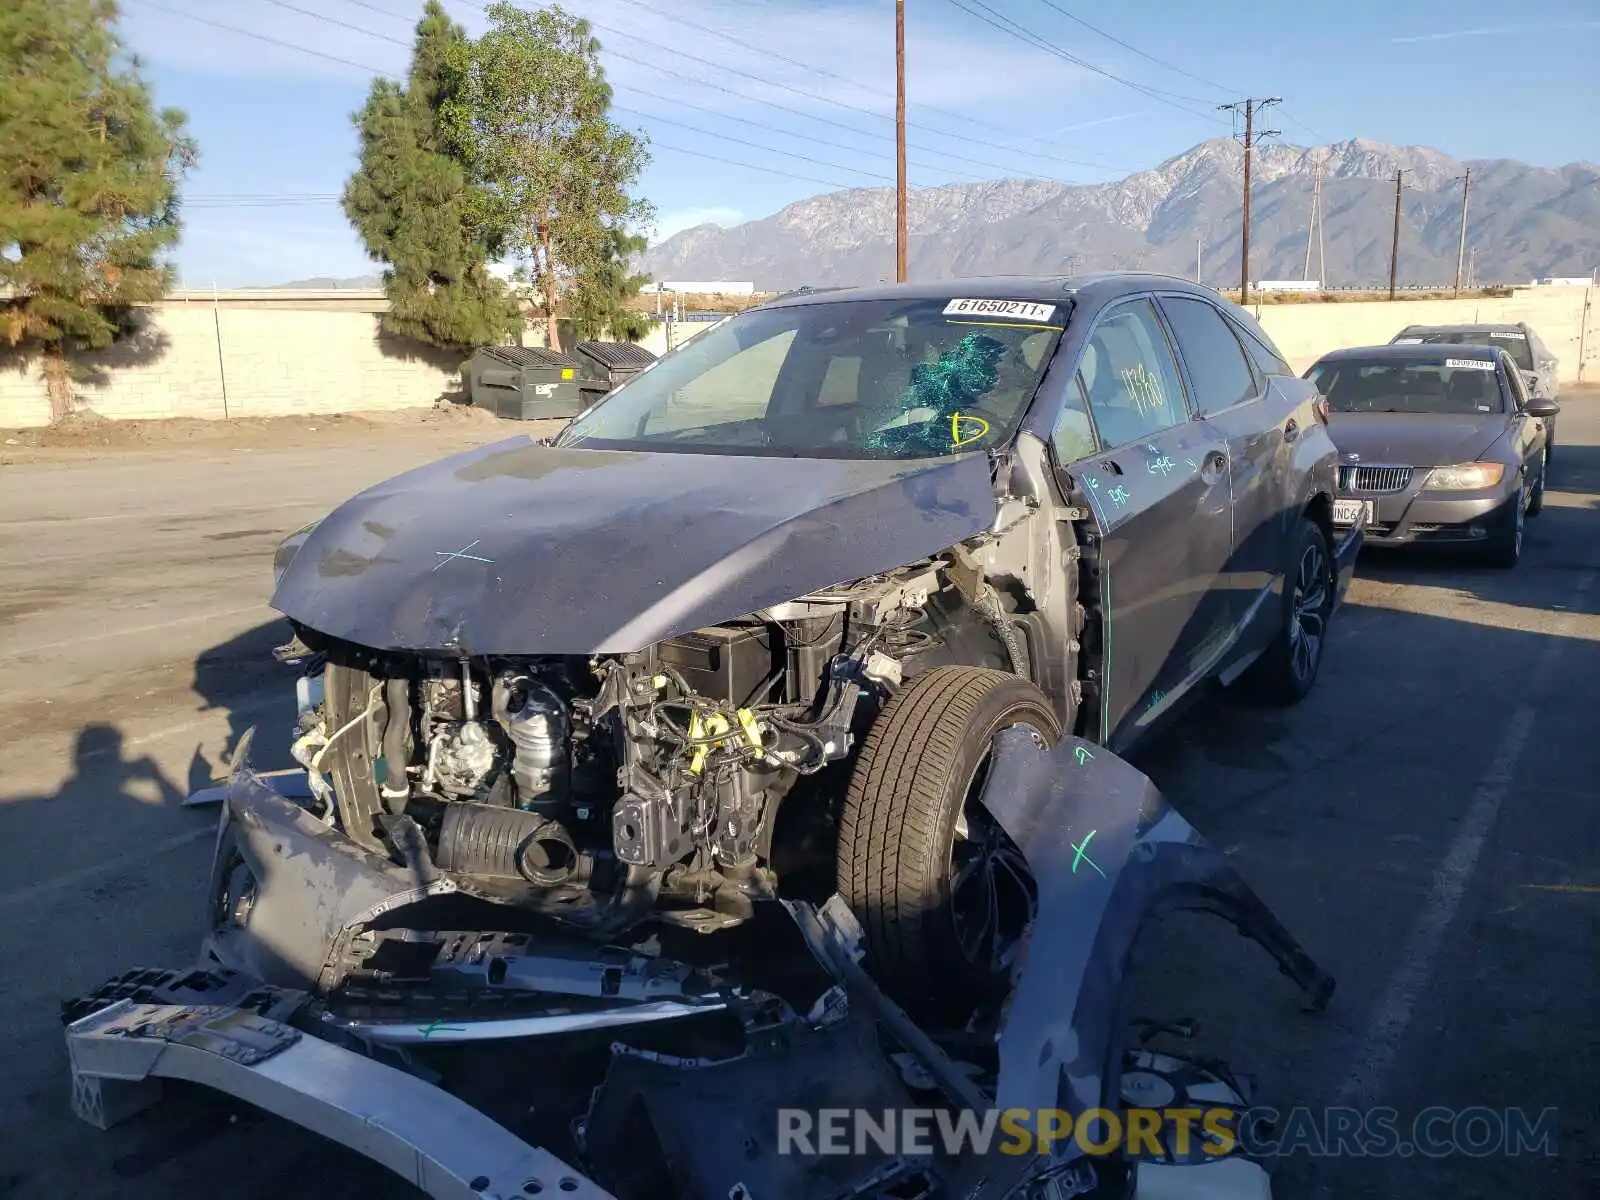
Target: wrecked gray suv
column 750, row 627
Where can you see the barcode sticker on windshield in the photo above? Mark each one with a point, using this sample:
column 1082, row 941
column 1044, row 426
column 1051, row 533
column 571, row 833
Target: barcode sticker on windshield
column 1468, row 364
column 1509, row 334
column 1009, row 310
column 1408, row 341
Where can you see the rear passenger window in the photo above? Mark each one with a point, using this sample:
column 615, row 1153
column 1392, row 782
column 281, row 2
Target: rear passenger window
column 1259, row 346
column 1130, row 377
column 1217, row 366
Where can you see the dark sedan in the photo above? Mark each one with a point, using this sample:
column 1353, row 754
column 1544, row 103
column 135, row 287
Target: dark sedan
column 1438, row 445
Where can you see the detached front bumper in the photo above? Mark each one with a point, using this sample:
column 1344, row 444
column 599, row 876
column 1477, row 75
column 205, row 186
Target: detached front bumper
column 299, row 911
column 1419, row 518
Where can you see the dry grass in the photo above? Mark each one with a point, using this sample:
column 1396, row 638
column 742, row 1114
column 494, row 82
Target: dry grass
column 1365, row 297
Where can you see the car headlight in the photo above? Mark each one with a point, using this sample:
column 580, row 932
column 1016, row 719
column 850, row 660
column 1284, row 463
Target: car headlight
column 1464, row 477
column 288, row 548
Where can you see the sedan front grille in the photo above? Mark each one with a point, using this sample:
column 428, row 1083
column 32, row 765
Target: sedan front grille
column 1374, row 479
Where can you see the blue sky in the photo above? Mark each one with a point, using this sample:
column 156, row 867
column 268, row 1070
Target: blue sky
column 801, row 100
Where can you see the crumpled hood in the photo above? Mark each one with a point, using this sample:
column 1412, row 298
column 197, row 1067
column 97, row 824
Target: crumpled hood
column 517, row 548
column 1414, row 439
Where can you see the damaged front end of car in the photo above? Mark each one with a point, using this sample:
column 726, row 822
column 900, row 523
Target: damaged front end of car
column 640, row 751
column 335, row 982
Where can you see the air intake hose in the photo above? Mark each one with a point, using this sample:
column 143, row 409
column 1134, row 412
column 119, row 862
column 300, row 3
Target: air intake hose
column 506, row 843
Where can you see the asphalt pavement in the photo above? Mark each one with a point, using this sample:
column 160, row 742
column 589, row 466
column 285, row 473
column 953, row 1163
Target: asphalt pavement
column 1425, row 823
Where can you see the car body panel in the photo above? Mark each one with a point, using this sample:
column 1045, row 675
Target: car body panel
column 519, row 548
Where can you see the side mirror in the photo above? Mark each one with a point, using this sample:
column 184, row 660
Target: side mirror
column 1540, row 406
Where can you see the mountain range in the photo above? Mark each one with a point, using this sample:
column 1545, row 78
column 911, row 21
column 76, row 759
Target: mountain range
column 1524, row 222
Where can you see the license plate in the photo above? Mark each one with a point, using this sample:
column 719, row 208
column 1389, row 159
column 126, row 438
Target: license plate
column 1348, row 512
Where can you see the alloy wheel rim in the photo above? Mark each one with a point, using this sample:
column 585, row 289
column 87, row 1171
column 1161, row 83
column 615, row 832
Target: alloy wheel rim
column 1308, row 621
column 993, row 896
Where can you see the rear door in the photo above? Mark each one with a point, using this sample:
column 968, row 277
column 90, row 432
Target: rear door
column 1159, row 487
column 1241, row 405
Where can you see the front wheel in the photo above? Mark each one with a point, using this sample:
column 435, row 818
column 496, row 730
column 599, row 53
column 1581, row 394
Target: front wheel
column 1503, row 548
column 942, row 894
column 1284, row 673
column 1536, row 498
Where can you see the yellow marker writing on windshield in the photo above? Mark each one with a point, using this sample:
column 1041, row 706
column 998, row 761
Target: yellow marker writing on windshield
column 964, row 429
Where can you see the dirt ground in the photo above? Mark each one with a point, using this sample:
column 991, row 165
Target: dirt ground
column 91, row 437
column 1424, row 823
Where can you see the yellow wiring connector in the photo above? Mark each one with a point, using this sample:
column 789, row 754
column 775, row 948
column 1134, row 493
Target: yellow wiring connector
column 712, row 725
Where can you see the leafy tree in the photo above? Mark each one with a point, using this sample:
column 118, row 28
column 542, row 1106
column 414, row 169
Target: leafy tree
column 533, row 118
column 602, row 302
column 419, row 211
column 88, row 183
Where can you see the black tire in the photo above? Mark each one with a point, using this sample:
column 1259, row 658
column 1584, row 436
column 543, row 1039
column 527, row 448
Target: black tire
column 1286, row 671
column 1536, row 498
column 1503, row 547
column 898, row 852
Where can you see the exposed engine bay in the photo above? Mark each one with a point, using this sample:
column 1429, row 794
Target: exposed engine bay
column 673, row 780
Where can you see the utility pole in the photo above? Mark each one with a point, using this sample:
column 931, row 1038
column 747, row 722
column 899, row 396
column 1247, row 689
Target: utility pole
column 1314, row 229
column 1394, row 249
column 900, row 141
column 1461, row 247
column 1251, row 107
column 1199, row 244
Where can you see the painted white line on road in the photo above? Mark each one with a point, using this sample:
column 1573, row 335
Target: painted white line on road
column 137, row 629
column 155, row 517
column 1391, row 1016
column 110, row 866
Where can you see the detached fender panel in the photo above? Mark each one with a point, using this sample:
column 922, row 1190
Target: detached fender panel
column 1109, row 855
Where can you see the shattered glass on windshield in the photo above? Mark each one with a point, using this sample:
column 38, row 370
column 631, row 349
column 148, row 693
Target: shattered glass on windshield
column 871, row 379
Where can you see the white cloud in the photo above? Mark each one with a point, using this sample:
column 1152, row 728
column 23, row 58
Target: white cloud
column 1450, row 35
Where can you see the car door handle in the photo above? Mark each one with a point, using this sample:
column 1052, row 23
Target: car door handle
column 1215, row 467
column 1111, row 466
column 1291, row 431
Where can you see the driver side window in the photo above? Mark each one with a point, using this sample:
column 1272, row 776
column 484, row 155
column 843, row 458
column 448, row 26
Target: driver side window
column 1130, row 376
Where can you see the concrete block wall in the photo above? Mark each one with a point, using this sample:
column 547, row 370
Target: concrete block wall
column 1566, row 318
column 255, row 357
column 241, row 360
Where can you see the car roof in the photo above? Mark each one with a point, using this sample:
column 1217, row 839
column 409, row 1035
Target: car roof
column 1415, row 352
column 1097, row 287
column 1484, row 327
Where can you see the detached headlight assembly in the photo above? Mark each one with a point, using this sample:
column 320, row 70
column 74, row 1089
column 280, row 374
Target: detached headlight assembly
column 1464, row 477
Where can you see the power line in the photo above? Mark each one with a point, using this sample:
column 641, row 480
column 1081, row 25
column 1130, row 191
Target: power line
column 306, row 12
column 1160, row 62
column 1008, row 26
column 778, row 129
column 668, row 120
column 801, row 92
column 261, row 37
column 678, row 19
column 388, row 75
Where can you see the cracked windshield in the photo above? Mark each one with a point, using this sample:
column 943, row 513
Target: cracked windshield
column 857, row 379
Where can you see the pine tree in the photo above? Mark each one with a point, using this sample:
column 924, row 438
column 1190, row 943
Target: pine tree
column 534, row 118
column 418, row 211
column 88, row 183
column 602, row 301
